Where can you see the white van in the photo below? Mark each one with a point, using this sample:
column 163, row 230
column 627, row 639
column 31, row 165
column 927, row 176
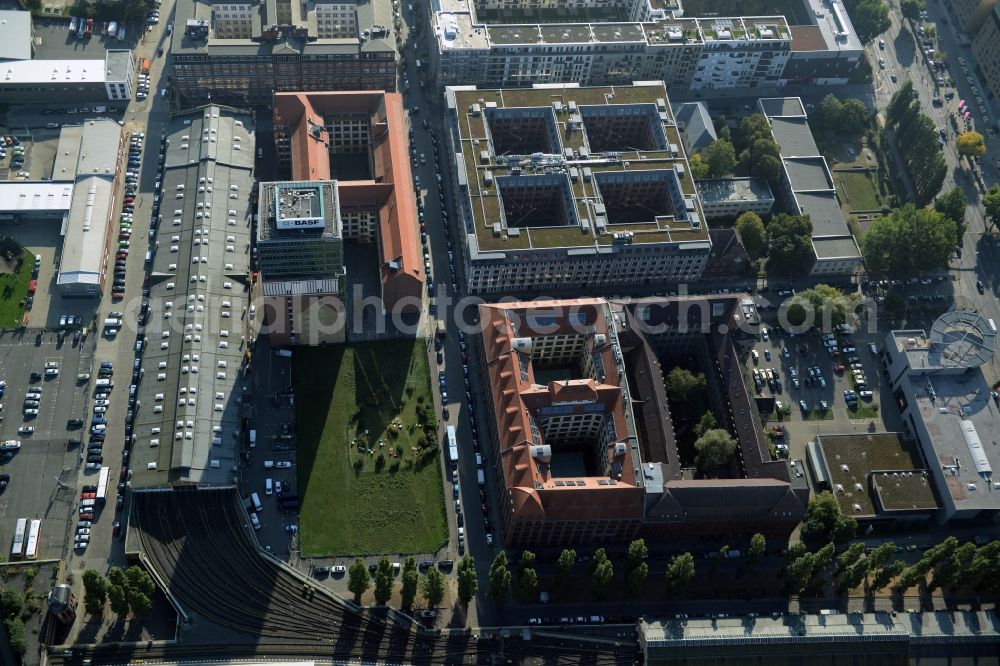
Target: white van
column 255, row 521
column 102, row 383
column 268, row 487
column 255, row 500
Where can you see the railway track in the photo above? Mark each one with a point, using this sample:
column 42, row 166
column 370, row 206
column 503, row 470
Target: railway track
column 198, row 543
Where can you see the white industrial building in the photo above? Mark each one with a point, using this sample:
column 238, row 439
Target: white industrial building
column 83, row 262
column 35, row 200
column 72, row 81
column 948, row 407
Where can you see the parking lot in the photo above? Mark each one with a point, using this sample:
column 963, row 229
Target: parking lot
column 43, row 470
column 53, row 41
column 810, row 376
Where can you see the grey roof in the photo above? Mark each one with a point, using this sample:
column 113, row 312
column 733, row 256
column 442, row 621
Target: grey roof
column 835, row 247
column 117, row 64
column 267, row 226
column 67, row 152
column 188, row 423
column 808, row 174
column 15, row 35
column 781, row 106
column 300, row 287
column 824, row 212
column 696, row 125
column 794, row 137
column 84, row 247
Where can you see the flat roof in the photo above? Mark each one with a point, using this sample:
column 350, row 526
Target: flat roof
column 824, row 212
column 722, row 190
column 67, row 152
column 781, row 106
column 15, row 35
column 195, row 336
column 834, row 24
column 864, row 466
column 35, row 196
column 118, row 62
column 941, row 627
column 578, row 124
column 327, row 208
column 65, row 72
column 793, row 136
column 808, row 174
column 834, row 247
column 959, row 339
column 376, row 32
column 85, row 244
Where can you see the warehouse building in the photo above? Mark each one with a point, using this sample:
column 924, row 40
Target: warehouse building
column 243, row 51
column 188, row 422
column 565, row 186
column 83, row 262
column 71, row 81
column 30, row 201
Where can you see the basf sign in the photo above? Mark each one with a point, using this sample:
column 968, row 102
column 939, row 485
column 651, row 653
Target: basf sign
column 301, row 223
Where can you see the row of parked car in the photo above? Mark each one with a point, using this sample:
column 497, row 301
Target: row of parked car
column 128, row 211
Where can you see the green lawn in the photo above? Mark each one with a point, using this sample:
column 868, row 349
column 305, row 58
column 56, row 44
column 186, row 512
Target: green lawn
column 360, row 498
column 790, row 9
column 13, row 289
column 864, row 411
column 858, row 192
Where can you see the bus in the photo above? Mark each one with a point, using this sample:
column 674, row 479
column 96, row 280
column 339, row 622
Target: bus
column 17, row 550
column 31, row 549
column 452, row 445
column 102, row 485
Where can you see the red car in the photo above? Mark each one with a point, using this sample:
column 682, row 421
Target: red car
column 118, row 295
column 88, row 495
column 123, row 473
column 121, row 255
column 86, row 516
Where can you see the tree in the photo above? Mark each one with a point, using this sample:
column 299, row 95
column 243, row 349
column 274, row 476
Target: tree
column 499, row 577
column 850, row 557
column 527, row 560
column 601, row 572
column 716, row 559
column 713, row 449
column 137, row 578
column 971, row 144
column 119, row 600
column 699, row 167
column 358, row 579
column 681, row 571
column 751, row 128
column 383, row 581
column 824, row 557
column 826, row 115
column 15, row 635
column 952, row 205
column 683, row 385
column 140, row 603
column 467, row 581
column 11, row 602
column 564, row 566
column 751, row 230
column 756, row 550
column 991, row 205
column 116, row 576
column 637, row 554
column 763, row 159
column 636, row 577
column 886, row 574
column 823, row 306
column 853, row 575
column 789, row 243
column 720, row 156
column 825, row 521
column 881, row 555
column 432, row 587
column 911, row 8
column 95, row 592
column 854, row 116
column 954, row 569
column 799, row 573
column 527, row 585
column 410, row 579
column 900, row 103
column 909, row 240
column 870, row 18
column 705, row 423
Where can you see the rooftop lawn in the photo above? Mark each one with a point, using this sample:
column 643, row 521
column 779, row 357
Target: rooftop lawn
column 374, row 493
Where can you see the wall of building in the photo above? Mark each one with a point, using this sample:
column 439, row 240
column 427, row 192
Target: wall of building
column 986, row 49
